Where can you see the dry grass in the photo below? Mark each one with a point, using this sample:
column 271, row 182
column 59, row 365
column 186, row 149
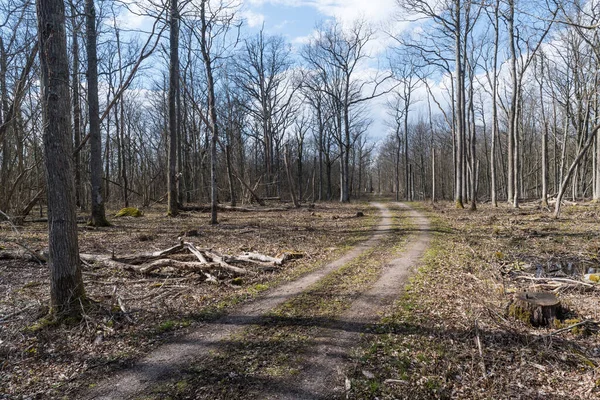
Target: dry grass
column 449, row 336
column 36, row 359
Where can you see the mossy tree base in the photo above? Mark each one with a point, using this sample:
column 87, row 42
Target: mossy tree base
column 537, row 308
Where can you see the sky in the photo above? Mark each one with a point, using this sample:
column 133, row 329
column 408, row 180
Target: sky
column 296, row 20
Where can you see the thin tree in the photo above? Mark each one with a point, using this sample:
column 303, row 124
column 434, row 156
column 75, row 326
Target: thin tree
column 98, row 217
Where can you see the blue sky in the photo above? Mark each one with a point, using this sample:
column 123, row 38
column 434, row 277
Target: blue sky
column 296, row 20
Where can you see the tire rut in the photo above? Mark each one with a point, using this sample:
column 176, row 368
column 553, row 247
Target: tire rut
column 323, row 371
column 168, row 359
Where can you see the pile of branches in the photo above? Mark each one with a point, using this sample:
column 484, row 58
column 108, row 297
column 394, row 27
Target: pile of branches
column 206, row 261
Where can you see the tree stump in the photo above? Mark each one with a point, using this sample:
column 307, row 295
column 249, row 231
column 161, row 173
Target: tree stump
column 537, row 308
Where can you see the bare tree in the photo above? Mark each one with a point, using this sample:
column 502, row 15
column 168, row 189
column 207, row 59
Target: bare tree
column 98, row 217
column 172, row 208
column 335, row 54
column 66, row 283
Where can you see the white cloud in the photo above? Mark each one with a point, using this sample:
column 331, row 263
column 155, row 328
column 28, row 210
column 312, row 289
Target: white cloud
column 253, row 19
column 374, row 11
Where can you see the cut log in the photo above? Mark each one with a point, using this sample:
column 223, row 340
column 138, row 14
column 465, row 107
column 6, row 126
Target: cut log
column 261, row 257
column 23, row 255
column 537, row 308
column 223, row 264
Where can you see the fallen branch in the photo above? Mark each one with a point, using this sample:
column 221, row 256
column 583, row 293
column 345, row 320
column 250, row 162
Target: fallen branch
column 555, row 280
column 261, row 257
column 568, row 328
column 142, row 258
column 195, row 252
column 224, row 208
column 14, row 314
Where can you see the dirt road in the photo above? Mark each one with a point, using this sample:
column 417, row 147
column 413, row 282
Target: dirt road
column 166, row 361
column 323, row 376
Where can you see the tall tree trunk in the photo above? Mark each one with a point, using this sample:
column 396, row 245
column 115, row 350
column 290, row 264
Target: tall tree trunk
column 212, row 112
column 173, row 209
column 512, row 117
column 458, row 197
column 4, row 111
column 473, row 138
column 98, row 217
column 544, row 141
column 299, row 177
column 66, row 283
column 288, row 171
column 406, row 175
column 495, row 123
column 230, row 175
column 345, row 156
column 76, row 105
column 397, row 169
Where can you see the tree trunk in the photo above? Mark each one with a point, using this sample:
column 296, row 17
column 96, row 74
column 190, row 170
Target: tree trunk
column 76, row 106
column 66, row 283
column 230, row 176
column 459, row 126
column 495, row 124
column 212, row 112
column 98, row 217
column 288, row 170
column 172, row 206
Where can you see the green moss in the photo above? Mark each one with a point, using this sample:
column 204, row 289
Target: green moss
column 43, row 323
column 166, row 326
column 181, row 386
column 129, row 212
column 518, row 313
column 237, row 281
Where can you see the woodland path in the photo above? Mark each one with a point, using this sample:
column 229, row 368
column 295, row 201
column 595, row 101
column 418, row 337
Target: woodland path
column 324, row 377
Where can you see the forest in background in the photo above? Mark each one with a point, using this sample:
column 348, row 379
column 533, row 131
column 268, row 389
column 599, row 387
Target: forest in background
column 490, row 106
column 486, row 101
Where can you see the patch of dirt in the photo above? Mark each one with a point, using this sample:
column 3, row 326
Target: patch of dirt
column 46, row 362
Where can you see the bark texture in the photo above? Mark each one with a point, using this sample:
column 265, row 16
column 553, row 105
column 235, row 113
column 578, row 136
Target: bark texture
column 66, row 283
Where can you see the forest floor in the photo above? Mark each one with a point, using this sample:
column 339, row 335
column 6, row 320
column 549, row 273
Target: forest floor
column 326, row 325
column 46, row 362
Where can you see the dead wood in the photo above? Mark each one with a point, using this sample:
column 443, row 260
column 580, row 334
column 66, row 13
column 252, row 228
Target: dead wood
column 224, row 208
column 219, row 259
column 25, row 255
column 208, row 260
column 105, row 260
column 195, row 252
column 137, row 259
column 540, row 308
column 556, row 280
column 260, row 257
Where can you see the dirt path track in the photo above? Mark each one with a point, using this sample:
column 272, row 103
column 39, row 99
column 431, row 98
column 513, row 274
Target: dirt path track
column 322, row 376
column 170, row 358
